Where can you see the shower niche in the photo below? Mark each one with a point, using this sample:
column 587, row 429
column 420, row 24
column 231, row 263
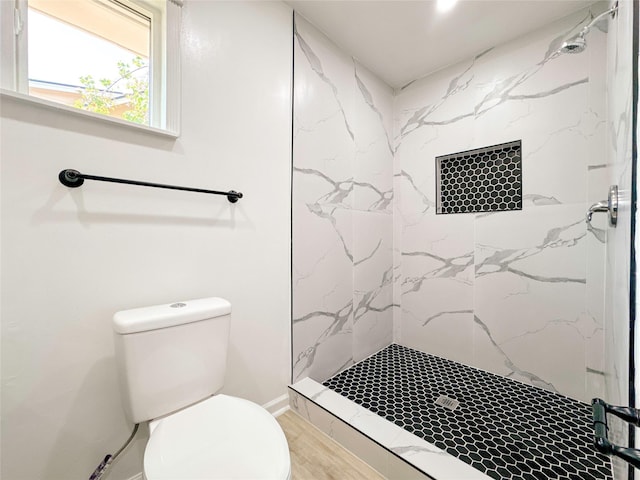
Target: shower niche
column 487, row 179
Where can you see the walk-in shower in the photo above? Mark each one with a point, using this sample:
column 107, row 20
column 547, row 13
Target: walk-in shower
column 460, row 297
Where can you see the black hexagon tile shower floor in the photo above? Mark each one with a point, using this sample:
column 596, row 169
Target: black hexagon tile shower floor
column 504, row 428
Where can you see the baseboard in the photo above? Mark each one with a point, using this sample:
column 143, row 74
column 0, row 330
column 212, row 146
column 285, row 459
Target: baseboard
column 278, row 406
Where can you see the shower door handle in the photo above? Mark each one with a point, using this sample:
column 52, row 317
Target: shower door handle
column 610, row 206
column 600, row 409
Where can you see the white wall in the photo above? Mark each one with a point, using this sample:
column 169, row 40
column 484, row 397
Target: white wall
column 70, row 259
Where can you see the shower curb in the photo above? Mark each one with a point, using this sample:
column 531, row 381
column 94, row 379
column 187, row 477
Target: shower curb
column 386, row 447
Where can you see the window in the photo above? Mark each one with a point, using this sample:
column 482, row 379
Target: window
column 108, row 57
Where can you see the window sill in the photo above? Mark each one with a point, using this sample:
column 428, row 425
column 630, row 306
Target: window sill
column 66, row 110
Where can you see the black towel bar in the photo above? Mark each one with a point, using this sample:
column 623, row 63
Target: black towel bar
column 73, row 179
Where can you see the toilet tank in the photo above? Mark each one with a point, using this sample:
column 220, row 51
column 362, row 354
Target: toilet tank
column 170, row 356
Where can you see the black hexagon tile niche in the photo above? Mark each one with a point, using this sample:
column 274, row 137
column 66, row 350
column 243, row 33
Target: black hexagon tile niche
column 486, row 179
column 504, row 428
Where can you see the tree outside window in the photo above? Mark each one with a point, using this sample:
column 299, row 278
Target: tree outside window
column 131, row 90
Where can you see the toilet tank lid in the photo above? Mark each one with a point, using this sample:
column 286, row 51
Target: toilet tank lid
column 169, row 315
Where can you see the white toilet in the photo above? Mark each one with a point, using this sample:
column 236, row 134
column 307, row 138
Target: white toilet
column 171, row 360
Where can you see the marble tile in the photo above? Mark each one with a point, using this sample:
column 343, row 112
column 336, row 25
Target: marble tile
column 554, row 169
column 417, row 197
column 323, row 79
column 342, row 208
column 616, row 324
column 536, row 281
column 597, row 188
column 323, row 301
column 361, row 446
column 529, row 68
column 595, row 365
column 323, row 342
column 529, row 296
column 298, row 404
column 437, row 286
column 441, row 99
column 397, row 254
column 595, row 287
column 434, row 117
column 401, row 470
column 431, row 459
column 322, row 261
column 596, row 117
column 598, row 183
column 372, row 250
column 447, row 334
column 373, row 167
column 528, row 91
column 373, row 324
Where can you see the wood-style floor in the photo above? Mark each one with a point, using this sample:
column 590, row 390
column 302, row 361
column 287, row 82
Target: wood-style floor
column 315, row 456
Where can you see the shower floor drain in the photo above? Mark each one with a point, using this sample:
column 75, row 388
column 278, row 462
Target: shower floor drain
column 446, row 402
column 505, row 429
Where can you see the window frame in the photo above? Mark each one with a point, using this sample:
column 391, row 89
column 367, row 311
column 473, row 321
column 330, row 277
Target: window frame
column 164, row 63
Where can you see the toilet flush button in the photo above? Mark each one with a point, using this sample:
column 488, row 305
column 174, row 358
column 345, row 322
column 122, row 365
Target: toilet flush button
column 178, row 305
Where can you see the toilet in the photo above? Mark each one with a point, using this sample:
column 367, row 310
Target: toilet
column 171, row 363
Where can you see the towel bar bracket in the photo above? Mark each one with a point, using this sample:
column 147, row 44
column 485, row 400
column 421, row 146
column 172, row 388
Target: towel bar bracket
column 70, row 178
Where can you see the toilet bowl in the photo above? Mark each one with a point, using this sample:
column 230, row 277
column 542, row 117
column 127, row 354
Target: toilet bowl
column 221, row 437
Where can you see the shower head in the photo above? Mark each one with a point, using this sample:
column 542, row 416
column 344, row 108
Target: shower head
column 576, row 44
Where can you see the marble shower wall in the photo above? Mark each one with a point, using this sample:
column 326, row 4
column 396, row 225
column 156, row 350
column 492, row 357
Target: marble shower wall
column 342, row 208
column 618, row 171
column 516, row 293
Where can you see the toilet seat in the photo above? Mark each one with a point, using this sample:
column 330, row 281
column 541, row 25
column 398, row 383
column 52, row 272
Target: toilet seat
column 221, row 437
